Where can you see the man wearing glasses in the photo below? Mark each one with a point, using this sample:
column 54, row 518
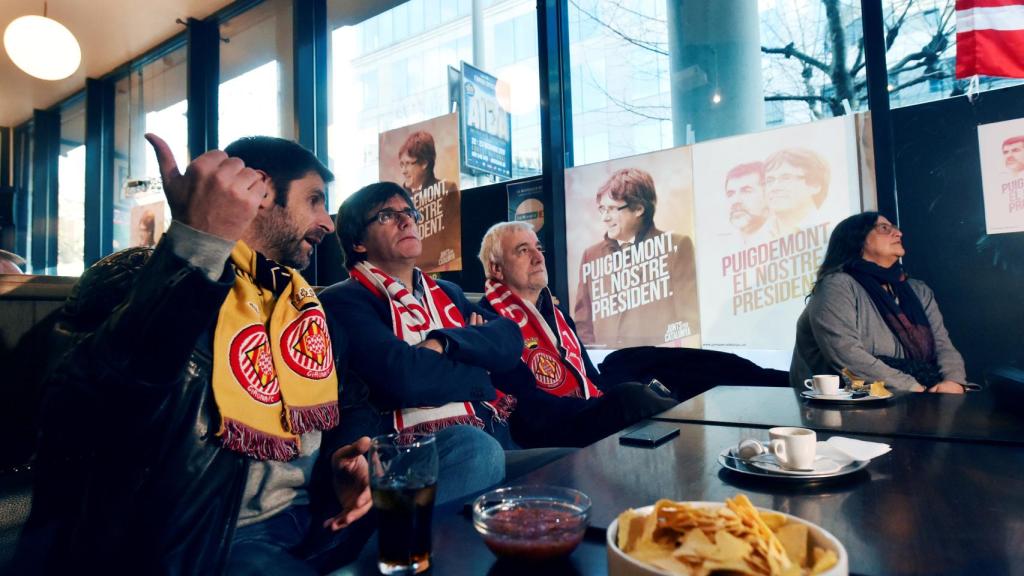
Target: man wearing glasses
column 796, row 183
column 638, row 285
column 437, row 200
column 421, row 347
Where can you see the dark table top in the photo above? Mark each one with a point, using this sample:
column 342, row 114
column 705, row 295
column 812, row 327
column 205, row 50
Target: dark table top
column 973, row 417
column 926, row 507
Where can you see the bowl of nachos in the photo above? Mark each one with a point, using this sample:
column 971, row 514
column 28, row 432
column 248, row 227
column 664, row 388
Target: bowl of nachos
column 734, row 537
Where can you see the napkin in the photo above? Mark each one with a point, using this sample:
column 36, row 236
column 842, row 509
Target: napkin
column 839, row 446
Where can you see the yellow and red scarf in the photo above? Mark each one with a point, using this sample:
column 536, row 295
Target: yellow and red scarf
column 273, row 368
column 412, row 321
column 555, row 358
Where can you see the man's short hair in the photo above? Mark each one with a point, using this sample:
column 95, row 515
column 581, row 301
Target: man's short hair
column 1013, row 140
column 635, row 187
column 816, row 171
column 350, row 223
column 742, row 170
column 420, row 147
column 283, row 160
column 490, row 247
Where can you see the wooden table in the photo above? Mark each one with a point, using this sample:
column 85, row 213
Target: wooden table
column 974, row 417
column 926, row 507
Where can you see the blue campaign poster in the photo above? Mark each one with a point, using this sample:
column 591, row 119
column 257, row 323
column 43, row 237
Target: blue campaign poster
column 485, row 125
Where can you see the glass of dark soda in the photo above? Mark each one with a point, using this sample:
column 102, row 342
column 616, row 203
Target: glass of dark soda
column 403, row 479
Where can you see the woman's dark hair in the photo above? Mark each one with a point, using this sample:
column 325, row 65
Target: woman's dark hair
column 846, row 244
column 355, row 210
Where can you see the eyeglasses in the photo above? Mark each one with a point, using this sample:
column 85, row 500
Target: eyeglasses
column 388, row 215
column 605, row 210
column 784, row 178
column 886, row 229
column 408, row 163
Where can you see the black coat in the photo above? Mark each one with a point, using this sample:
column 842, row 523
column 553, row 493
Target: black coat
column 130, row 477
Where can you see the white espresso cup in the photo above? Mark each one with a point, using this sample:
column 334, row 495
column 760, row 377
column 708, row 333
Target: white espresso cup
column 824, row 384
column 794, row 448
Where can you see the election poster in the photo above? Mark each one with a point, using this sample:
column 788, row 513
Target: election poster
column 632, row 267
column 766, row 205
column 526, row 203
column 147, row 223
column 486, row 125
column 1002, row 175
column 424, row 159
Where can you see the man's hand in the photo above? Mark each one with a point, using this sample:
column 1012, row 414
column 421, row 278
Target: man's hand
column 947, row 387
column 476, row 320
column 217, row 194
column 432, row 344
column 351, row 483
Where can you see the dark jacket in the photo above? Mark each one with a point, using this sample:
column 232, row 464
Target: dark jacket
column 402, row 376
column 542, row 419
column 130, row 477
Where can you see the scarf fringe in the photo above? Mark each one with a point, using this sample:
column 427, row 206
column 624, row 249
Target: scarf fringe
column 302, row 419
column 503, row 407
column 433, row 426
column 245, row 439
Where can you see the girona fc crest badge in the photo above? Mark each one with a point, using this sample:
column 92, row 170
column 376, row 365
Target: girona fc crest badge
column 546, row 369
column 252, row 364
column 306, row 347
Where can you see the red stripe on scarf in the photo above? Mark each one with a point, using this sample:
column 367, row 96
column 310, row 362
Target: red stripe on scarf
column 450, row 317
column 557, row 366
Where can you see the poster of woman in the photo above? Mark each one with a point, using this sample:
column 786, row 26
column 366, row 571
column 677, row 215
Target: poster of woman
column 424, row 159
column 632, row 268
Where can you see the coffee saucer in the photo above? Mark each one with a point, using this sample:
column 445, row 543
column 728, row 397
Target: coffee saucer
column 769, row 463
column 844, row 398
column 847, row 466
column 842, row 394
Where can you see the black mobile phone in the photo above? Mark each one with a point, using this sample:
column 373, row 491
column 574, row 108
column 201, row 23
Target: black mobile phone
column 650, row 435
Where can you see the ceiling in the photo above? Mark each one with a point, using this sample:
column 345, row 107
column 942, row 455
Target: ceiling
column 110, row 32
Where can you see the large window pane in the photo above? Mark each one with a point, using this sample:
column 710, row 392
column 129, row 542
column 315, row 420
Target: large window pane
column 152, row 98
column 392, row 69
column 922, row 57
column 255, row 95
column 646, row 69
column 71, row 191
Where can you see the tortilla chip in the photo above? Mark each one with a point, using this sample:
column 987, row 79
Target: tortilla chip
column 794, row 540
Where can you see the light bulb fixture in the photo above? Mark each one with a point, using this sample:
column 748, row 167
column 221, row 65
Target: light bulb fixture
column 716, row 96
column 42, row 47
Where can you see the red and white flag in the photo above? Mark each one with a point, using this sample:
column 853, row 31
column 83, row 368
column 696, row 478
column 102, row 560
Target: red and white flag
column 990, row 38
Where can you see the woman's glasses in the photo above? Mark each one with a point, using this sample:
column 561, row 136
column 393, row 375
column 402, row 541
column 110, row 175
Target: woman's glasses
column 886, row 229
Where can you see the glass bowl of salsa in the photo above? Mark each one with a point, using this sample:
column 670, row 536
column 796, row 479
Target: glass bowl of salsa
column 532, row 523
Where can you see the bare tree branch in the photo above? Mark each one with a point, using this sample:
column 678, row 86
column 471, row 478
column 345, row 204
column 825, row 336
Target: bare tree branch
column 652, row 46
column 786, row 98
column 790, row 51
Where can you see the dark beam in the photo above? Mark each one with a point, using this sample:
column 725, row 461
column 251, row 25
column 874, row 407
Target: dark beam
column 203, row 84
column 556, row 130
column 878, row 101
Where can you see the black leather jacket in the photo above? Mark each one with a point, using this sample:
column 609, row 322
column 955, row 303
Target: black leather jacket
column 129, row 476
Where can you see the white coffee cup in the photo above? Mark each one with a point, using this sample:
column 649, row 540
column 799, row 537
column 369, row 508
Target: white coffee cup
column 794, row 448
column 824, row 384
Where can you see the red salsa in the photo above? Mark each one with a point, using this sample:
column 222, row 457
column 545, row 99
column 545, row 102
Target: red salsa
column 534, row 533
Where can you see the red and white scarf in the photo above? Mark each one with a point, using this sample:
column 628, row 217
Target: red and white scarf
column 556, row 359
column 412, row 321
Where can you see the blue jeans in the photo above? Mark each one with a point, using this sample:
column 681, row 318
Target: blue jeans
column 469, row 460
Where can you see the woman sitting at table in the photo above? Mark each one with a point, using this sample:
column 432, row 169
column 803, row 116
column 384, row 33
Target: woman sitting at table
column 864, row 314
